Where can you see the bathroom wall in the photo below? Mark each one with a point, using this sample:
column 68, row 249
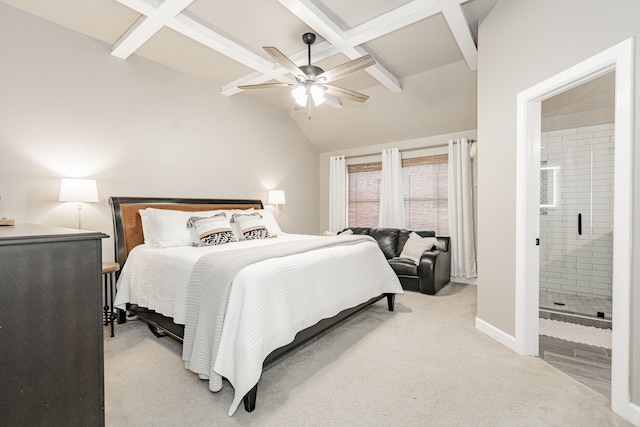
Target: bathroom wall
column 577, row 177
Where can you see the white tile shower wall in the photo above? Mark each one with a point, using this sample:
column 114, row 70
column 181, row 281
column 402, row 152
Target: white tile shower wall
column 583, row 162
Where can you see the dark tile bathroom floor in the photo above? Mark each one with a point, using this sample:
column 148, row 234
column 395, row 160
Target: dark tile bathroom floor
column 588, row 364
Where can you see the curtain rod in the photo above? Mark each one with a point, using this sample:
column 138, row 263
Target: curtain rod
column 408, row 149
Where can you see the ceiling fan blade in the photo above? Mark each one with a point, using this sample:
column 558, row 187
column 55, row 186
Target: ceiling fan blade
column 345, row 93
column 265, row 85
column 283, row 60
column 346, row 69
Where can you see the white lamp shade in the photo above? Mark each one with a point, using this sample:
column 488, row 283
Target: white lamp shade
column 78, row 190
column 300, row 95
column 317, row 94
column 276, row 197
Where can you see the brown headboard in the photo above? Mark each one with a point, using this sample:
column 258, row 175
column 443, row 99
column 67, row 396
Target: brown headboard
column 127, row 224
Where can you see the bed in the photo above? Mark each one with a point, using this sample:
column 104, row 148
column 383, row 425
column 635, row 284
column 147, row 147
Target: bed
column 238, row 306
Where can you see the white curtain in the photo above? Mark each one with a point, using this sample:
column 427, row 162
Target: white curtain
column 391, row 190
column 461, row 210
column 337, row 193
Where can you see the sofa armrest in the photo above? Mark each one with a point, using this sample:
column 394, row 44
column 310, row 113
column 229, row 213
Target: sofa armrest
column 434, row 270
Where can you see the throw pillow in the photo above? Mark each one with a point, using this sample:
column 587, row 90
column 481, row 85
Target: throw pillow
column 251, row 225
column 416, row 245
column 234, row 226
column 213, row 230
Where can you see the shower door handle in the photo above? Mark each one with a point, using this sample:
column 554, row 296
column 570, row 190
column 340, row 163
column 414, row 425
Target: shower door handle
column 579, row 224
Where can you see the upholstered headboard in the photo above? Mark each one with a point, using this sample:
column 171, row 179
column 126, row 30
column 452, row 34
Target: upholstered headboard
column 127, row 224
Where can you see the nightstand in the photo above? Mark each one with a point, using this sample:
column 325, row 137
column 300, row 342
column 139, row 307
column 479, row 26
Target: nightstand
column 109, row 270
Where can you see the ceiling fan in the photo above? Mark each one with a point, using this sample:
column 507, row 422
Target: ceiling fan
column 311, row 80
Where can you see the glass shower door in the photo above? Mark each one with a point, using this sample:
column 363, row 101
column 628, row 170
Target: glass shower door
column 576, row 220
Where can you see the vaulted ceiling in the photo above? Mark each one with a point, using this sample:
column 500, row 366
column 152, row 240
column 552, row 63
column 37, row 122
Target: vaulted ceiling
column 425, row 52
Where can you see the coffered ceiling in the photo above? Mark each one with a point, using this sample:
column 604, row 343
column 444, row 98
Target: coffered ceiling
column 221, row 42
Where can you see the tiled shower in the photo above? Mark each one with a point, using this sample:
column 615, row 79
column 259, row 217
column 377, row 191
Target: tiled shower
column 576, row 219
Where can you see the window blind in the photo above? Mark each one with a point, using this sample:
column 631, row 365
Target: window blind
column 425, row 188
column 364, row 194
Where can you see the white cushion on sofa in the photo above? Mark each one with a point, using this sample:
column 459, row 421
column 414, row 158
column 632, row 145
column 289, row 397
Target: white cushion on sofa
column 416, row 245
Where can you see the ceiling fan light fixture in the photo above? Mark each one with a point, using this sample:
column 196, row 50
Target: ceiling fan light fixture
column 317, row 93
column 311, row 80
column 300, row 95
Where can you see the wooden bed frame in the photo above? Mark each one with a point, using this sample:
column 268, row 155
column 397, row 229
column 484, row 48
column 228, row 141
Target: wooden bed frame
column 127, row 226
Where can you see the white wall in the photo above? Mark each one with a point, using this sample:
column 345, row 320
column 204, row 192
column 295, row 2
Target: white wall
column 521, row 43
column 70, row 109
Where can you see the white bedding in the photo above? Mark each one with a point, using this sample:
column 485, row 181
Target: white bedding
column 269, row 302
column 157, row 278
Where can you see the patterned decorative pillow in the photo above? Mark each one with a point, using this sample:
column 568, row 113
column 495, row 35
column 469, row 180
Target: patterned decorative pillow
column 212, row 230
column 252, row 225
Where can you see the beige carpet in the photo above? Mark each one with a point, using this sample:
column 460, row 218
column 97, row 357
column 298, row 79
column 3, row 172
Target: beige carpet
column 423, row 365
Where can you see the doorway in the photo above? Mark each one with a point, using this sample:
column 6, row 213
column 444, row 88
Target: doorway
column 577, row 144
column 576, row 231
column 619, row 59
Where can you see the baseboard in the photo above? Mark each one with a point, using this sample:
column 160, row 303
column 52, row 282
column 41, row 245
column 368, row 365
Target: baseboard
column 630, row 412
column 497, row 334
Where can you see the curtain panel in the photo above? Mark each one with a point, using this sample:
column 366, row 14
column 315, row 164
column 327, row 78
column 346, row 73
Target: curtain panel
column 337, row 193
column 461, row 210
column 391, row 190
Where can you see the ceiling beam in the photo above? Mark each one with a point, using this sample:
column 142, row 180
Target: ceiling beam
column 311, row 15
column 403, row 16
column 213, row 40
column 153, row 19
column 169, row 14
column 157, row 14
column 393, row 20
column 452, row 12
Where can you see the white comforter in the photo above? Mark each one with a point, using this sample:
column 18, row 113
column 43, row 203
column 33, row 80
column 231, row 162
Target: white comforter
column 270, row 301
column 158, row 278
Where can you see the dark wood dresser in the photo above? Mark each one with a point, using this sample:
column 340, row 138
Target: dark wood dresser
column 51, row 352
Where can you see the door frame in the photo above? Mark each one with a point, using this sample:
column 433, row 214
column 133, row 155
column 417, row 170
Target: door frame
column 619, row 58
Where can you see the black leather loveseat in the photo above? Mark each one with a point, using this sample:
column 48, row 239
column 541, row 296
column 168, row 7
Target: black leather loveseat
column 433, row 269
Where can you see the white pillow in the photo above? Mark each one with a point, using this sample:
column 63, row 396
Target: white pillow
column 165, row 228
column 416, row 245
column 270, row 222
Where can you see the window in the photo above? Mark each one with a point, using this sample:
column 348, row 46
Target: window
column 425, row 193
column 364, row 194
